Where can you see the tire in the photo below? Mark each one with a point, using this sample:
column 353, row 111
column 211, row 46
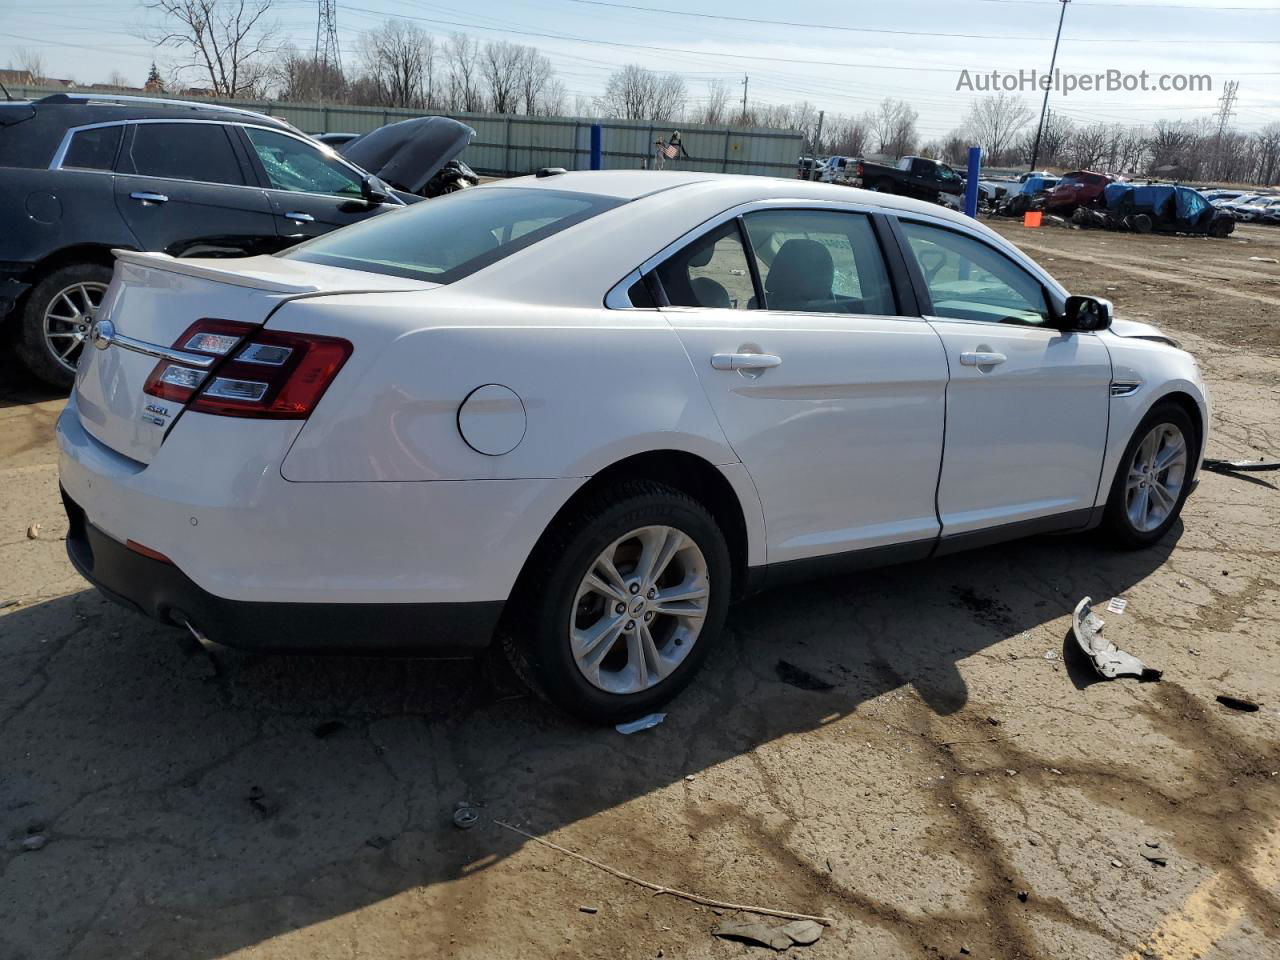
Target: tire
column 70, row 292
column 553, row 600
column 1119, row 520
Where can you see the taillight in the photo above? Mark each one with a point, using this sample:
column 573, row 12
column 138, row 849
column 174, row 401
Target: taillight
column 858, row 169
column 214, row 338
column 261, row 373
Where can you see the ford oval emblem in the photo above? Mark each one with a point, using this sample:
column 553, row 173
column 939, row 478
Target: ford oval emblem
column 101, row 333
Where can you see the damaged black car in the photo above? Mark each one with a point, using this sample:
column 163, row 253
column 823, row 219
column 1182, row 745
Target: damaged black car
column 81, row 174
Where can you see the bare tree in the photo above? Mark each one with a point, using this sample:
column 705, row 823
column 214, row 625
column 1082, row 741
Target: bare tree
column 893, row 126
column 299, row 76
column 994, row 120
column 118, row 80
column 32, row 61
column 225, row 40
column 501, row 64
column 537, row 81
column 846, row 136
column 398, row 61
column 715, row 110
column 463, row 55
column 1089, row 146
column 637, row 93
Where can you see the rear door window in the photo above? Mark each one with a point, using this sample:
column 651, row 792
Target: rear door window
column 93, row 149
column 182, row 151
column 820, row 261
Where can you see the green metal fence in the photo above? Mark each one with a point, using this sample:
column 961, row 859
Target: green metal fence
column 512, row 145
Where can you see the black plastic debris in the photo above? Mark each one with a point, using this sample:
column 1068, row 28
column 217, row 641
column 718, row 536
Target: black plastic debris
column 1240, row 466
column 1238, row 703
column 798, row 677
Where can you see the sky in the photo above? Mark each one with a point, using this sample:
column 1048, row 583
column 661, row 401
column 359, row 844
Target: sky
column 843, row 57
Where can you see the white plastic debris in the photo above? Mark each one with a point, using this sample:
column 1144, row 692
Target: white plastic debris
column 1108, row 659
column 1117, row 604
column 644, row 723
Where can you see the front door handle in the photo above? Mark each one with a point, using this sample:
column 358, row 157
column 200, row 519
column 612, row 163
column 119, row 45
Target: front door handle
column 744, row 361
column 300, row 217
column 982, row 358
column 149, row 197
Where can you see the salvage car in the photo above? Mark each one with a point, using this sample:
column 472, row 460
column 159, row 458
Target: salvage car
column 576, row 414
column 1163, row 208
column 1080, row 188
column 82, row 174
column 418, row 156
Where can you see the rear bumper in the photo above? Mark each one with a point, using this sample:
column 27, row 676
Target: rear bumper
column 163, row 592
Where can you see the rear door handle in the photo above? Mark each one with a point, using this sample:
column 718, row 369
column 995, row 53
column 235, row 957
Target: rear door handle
column 744, row 361
column 982, row 358
column 149, row 197
column 300, row 217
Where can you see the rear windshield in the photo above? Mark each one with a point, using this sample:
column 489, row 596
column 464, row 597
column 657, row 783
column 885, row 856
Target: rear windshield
column 453, row 236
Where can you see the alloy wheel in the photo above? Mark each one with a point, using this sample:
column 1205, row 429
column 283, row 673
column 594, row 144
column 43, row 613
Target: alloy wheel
column 1156, row 476
column 67, row 319
column 639, row 609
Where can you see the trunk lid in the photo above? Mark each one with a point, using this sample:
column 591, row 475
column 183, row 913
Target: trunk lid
column 152, row 300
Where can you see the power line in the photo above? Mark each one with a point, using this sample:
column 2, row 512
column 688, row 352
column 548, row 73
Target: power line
column 898, row 33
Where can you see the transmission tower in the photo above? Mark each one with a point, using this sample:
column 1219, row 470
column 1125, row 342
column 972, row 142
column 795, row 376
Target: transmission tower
column 1228, row 99
column 327, row 49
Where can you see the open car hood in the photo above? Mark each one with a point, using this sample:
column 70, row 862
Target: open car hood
column 409, row 153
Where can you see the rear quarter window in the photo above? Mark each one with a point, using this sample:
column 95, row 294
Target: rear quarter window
column 93, row 149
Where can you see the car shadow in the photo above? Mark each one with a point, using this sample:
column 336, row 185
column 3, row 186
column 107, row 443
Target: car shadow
column 187, row 800
column 17, row 386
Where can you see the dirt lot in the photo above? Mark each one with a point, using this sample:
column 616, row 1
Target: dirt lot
column 961, row 790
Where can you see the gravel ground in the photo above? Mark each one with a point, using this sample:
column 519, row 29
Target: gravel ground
column 964, row 788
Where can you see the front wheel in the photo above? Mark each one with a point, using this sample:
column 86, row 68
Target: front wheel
column 622, row 603
column 1154, row 478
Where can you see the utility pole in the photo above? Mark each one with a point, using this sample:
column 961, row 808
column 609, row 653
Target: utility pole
column 327, row 50
column 814, row 150
column 1228, row 100
column 745, row 78
column 1035, row 150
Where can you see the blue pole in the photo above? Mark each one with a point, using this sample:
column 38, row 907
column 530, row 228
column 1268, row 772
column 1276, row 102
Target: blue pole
column 971, row 183
column 597, row 147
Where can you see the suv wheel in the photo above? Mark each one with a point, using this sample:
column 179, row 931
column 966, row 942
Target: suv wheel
column 56, row 320
column 623, row 603
column 1153, row 479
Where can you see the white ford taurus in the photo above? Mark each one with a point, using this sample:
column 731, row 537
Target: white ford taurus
column 582, row 412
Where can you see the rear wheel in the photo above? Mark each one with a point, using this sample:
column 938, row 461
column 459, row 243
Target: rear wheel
column 622, row 603
column 1154, row 478
column 56, row 320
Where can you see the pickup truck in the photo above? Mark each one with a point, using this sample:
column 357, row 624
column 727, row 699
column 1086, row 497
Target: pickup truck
column 917, row 177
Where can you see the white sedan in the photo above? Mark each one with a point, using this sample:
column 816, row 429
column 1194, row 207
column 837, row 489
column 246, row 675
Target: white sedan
column 579, row 413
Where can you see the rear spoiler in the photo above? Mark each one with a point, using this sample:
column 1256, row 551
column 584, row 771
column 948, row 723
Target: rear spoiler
column 239, row 272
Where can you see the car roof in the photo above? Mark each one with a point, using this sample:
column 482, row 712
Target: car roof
column 77, row 109
column 735, row 187
column 31, row 140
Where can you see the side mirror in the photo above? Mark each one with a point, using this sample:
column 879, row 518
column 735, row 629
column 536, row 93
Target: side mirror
column 371, row 189
column 1087, row 314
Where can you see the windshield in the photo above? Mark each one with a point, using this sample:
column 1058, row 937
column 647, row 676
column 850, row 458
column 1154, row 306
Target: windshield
column 453, row 236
